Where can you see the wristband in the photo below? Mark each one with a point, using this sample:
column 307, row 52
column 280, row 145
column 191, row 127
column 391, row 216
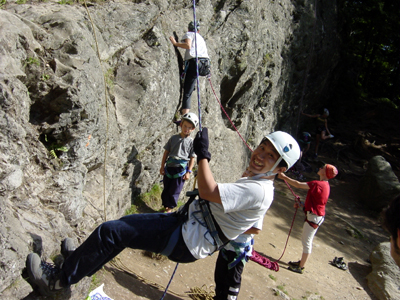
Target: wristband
column 189, row 171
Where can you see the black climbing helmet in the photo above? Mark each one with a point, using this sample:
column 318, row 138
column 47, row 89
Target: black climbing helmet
column 191, row 26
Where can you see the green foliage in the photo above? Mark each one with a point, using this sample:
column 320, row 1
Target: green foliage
column 132, row 210
column 154, row 195
column 371, row 46
column 45, row 77
column 93, row 284
column 354, row 232
column 2, row 2
column 272, row 277
column 151, row 199
column 267, row 59
column 109, row 77
column 282, row 288
column 67, row 2
column 385, row 102
column 54, row 148
column 32, row 60
column 21, row 1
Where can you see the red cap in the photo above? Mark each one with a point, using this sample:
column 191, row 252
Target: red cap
column 330, row 171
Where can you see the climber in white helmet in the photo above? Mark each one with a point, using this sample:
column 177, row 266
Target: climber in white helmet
column 204, row 225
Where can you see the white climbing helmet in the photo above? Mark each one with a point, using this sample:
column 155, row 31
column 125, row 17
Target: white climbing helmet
column 326, row 112
column 287, row 147
column 191, row 117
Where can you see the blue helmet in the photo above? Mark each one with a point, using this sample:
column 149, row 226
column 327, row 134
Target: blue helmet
column 305, row 137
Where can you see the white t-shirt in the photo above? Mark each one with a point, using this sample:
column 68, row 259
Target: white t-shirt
column 201, row 46
column 243, row 204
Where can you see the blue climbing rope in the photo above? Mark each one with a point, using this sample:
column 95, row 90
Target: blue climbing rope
column 199, row 109
column 166, row 289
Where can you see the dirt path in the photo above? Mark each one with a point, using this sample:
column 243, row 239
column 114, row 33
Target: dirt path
column 320, row 280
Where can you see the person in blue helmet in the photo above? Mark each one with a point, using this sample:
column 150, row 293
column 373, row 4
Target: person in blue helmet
column 304, row 143
column 322, row 130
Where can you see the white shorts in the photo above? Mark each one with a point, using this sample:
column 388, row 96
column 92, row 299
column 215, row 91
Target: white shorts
column 309, row 232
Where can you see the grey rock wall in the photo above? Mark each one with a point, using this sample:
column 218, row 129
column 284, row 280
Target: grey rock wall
column 384, row 278
column 113, row 115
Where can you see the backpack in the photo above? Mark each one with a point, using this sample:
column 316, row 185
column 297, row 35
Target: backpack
column 204, row 66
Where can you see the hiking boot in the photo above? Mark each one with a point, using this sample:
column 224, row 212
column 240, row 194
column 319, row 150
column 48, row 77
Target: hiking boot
column 294, row 263
column 67, row 247
column 296, row 269
column 45, row 275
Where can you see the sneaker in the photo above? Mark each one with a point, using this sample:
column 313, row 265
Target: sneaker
column 67, row 247
column 296, row 269
column 294, row 263
column 45, row 275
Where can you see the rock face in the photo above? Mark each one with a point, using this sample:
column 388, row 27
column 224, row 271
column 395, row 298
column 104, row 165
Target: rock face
column 385, row 276
column 380, row 185
column 87, row 97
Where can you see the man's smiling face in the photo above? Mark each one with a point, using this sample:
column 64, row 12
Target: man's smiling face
column 263, row 158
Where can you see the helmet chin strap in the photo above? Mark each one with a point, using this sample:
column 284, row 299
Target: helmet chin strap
column 270, row 172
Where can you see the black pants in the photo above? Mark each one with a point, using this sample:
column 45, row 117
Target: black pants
column 227, row 281
column 172, row 187
column 149, row 232
column 189, row 83
column 190, row 79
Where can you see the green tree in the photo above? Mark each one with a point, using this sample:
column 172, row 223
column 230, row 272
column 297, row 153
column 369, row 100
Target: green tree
column 371, row 41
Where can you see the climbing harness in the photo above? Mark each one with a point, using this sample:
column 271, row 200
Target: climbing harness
column 215, row 231
column 171, row 161
column 242, row 251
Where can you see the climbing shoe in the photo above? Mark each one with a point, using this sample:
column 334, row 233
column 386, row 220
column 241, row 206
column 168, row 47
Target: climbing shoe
column 67, row 247
column 339, row 263
column 296, row 269
column 45, row 275
column 294, row 263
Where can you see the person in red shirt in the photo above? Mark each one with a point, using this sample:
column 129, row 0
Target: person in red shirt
column 314, row 208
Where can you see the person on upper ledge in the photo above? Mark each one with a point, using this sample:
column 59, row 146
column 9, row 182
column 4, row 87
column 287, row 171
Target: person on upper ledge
column 188, row 43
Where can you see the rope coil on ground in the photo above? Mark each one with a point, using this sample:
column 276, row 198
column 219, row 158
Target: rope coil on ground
column 201, row 293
